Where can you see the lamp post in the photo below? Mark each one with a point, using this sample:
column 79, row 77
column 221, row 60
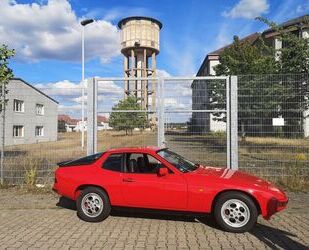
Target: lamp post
column 83, row 23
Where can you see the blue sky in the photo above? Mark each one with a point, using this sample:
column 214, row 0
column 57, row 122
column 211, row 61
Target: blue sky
column 46, row 33
column 190, row 30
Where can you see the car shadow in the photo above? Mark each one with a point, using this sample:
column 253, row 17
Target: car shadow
column 152, row 214
column 276, row 238
column 66, row 203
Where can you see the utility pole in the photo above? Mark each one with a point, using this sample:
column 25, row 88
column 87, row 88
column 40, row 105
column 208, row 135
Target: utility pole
column 3, row 131
column 83, row 23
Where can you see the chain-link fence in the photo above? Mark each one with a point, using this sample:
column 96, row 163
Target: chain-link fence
column 42, row 127
column 273, row 124
column 180, row 117
column 189, row 116
column 188, row 119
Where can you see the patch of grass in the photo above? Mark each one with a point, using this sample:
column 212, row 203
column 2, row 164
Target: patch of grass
column 4, row 186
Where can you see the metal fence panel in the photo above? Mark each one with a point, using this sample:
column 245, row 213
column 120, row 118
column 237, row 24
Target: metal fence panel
column 190, row 117
column 30, row 156
column 273, row 118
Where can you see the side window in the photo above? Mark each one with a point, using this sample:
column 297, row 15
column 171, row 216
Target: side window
column 153, row 162
column 141, row 163
column 113, row 163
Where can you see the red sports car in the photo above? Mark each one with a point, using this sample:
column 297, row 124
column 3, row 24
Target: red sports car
column 157, row 178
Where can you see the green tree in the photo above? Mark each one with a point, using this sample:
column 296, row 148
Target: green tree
column 243, row 58
column 262, row 92
column 128, row 120
column 256, row 97
column 5, row 75
column 293, row 60
column 5, row 72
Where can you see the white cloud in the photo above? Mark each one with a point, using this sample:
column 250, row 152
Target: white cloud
column 68, row 88
column 248, row 9
column 110, row 87
column 61, row 88
column 68, row 108
column 172, row 103
column 52, row 30
column 68, row 94
column 163, row 73
column 302, row 8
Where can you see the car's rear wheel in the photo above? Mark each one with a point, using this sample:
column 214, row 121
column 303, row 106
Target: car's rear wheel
column 235, row 212
column 93, row 205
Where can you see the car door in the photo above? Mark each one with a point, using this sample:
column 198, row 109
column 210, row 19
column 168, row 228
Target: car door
column 111, row 177
column 143, row 187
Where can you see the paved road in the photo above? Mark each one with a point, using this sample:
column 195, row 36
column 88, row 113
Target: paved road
column 34, row 221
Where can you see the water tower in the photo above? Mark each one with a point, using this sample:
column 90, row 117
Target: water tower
column 140, row 45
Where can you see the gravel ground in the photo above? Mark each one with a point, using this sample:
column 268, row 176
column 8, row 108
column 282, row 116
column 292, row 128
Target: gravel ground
column 36, row 220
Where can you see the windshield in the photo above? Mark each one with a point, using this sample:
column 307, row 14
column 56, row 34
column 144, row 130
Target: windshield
column 178, row 161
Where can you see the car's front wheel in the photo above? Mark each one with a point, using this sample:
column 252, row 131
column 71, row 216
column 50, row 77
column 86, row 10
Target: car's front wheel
column 235, row 212
column 93, row 205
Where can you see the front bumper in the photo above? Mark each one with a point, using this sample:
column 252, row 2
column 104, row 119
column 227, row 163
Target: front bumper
column 274, row 206
column 281, row 204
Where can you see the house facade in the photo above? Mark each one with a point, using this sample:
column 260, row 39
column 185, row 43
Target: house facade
column 206, row 122
column 30, row 115
column 68, row 124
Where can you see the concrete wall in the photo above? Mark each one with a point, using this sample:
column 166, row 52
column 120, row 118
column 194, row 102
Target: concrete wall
column 17, row 89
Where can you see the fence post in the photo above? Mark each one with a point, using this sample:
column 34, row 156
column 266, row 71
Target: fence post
column 2, row 132
column 92, row 105
column 232, row 123
column 160, row 112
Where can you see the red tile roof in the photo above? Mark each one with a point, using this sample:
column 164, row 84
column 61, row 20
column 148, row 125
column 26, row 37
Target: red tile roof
column 102, row 119
column 67, row 119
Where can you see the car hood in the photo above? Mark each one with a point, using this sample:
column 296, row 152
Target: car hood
column 230, row 176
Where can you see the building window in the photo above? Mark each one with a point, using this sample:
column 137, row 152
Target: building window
column 18, row 106
column 39, row 109
column 39, row 131
column 18, row 131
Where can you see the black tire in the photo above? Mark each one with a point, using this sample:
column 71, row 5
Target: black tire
column 99, row 215
column 230, row 214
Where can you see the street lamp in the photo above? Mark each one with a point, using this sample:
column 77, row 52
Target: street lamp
column 83, row 23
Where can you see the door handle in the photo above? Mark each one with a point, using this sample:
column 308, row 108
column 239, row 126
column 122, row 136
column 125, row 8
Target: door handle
column 127, row 180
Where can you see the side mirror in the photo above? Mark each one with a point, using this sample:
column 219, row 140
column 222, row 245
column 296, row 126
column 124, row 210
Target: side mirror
column 162, row 171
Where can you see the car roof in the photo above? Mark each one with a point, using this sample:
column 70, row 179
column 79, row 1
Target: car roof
column 149, row 149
